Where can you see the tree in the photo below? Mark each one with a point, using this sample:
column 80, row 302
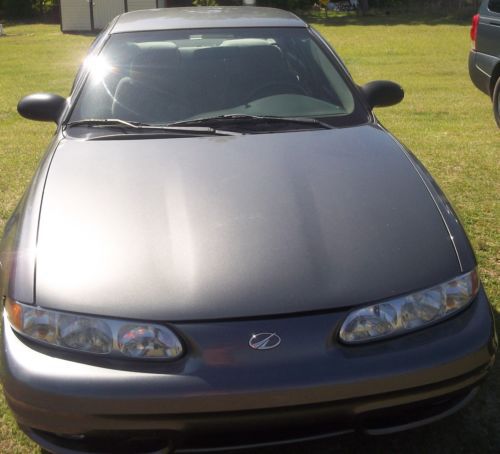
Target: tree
column 18, row 8
column 41, row 5
column 205, row 2
column 363, row 6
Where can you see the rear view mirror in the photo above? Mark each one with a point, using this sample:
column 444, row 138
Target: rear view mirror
column 42, row 107
column 382, row 93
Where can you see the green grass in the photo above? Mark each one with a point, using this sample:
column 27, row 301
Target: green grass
column 444, row 120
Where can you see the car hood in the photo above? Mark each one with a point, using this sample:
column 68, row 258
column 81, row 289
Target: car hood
column 236, row 226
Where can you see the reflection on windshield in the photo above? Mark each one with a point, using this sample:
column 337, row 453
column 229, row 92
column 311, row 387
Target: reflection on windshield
column 169, row 76
column 99, row 68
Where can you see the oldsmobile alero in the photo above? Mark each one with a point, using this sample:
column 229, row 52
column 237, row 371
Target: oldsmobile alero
column 222, row 247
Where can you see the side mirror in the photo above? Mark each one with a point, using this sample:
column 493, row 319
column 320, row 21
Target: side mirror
column 382, row 93
column 42, row 107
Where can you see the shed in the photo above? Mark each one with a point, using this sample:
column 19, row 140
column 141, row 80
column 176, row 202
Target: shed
column 91, row 15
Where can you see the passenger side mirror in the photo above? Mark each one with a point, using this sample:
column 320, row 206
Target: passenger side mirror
column 382, row 93
column 42, row 107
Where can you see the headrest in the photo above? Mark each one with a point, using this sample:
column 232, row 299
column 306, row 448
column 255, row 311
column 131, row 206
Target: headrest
column 246, row 42
column 156, row 58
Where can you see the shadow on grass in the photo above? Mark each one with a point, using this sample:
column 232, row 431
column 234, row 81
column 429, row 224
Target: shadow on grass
column 390, row 18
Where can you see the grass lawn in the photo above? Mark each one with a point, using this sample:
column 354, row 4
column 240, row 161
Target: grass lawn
column 445, row 121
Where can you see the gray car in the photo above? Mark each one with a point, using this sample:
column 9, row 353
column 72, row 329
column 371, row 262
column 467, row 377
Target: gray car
column 484, row 57
column 222, row 247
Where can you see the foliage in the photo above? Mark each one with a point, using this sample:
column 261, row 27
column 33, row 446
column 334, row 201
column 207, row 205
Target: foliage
column 28, row 8
column 364, row 5
column 205, row 2
column 18, row 8
column 434, row 4
column 291, row 5
column 42, row 6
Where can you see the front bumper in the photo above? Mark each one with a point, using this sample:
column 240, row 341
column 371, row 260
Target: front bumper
column 222, row 391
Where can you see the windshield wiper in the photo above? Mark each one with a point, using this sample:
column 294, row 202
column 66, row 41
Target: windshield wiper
column 137, row 126
column 106, row 122
column 244, row 119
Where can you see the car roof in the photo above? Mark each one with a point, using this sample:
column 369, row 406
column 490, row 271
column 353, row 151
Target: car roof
column 205, row 17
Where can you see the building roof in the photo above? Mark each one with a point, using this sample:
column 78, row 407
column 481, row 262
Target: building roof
column 205, row 17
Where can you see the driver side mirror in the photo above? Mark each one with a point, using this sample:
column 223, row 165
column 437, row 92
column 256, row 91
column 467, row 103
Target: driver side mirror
column 42, row 107
column 382, row 93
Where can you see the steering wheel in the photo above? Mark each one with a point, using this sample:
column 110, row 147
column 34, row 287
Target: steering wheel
column 274, row 88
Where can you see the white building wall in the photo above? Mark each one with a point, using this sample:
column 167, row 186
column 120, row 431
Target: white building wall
column 134, row 5
column 105, row 11
column 75, row 15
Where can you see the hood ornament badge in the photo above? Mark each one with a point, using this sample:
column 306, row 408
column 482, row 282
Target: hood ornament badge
column 264, row 341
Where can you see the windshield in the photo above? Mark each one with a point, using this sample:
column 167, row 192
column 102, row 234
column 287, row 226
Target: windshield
column 161, row 77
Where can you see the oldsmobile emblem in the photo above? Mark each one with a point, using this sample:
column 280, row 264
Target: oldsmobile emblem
column 264, row 341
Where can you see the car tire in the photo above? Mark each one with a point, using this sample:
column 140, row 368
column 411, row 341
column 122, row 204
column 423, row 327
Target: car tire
column 496, row 102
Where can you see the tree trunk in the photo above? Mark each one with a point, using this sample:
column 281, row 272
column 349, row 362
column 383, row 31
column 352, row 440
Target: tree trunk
column 363, row 6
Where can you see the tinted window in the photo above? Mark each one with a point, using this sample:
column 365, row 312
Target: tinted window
column 167, row 76
column 494, row 5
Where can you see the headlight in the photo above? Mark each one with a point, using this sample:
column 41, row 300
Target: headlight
column 411, row 312
column 100, row 336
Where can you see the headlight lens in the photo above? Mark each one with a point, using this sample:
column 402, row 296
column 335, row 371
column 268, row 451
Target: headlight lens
column 100, row 336
column 411, row 312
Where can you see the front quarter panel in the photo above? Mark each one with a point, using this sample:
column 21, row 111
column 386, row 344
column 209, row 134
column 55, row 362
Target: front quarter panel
column 18, row 244
column 458, row 237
